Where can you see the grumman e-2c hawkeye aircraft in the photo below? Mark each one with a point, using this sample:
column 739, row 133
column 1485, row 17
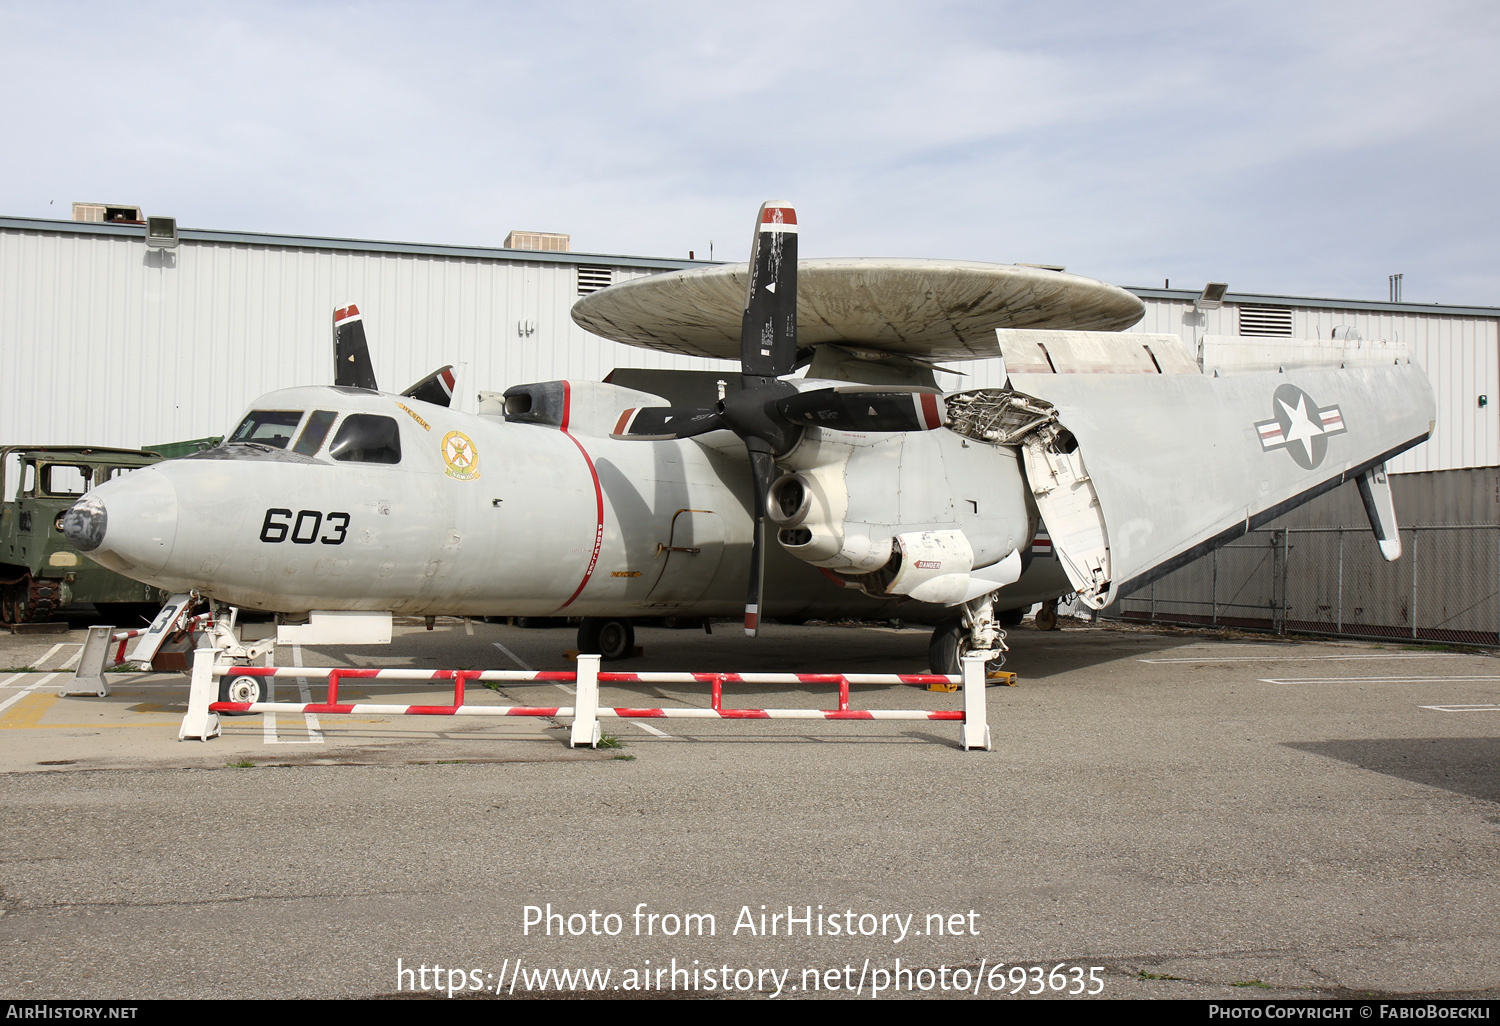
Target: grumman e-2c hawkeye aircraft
column 648, row 495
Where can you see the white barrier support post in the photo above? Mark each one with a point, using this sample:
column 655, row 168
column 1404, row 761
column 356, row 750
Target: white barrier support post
column 586, row 732
column 976, row 729
column 88, row 679
column 200, row 724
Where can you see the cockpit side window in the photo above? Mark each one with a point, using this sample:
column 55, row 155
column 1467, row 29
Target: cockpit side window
column 316, row 430
column 268, row 427
column 367, row 438
column 65, row 479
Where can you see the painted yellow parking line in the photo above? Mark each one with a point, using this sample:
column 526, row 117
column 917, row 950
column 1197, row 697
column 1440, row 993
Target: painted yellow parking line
column 27, row 712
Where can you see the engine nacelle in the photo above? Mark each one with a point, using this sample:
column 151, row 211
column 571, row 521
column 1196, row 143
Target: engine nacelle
column 902, row 514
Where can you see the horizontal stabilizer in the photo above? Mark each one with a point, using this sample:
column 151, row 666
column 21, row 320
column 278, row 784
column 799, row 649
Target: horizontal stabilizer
column 435, row 388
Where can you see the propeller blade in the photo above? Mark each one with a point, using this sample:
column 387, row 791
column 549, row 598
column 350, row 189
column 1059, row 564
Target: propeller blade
column 658, row 423
column 763, row 470
column 351, row 356
column 436, row 388
column 768, row 331
column 865, row 409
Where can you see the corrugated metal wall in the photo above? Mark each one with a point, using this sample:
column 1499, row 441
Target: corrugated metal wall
column 108, row 343
column 1318, row 569
column 1461, row 355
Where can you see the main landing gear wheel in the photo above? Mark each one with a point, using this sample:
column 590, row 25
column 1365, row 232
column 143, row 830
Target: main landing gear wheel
column 951, row 641
column 613, row 638
column 1010, row 617
column 1046, row 617
column 242, row 689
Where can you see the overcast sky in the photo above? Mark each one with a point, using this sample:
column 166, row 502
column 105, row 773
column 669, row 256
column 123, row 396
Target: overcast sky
column 1299, row 148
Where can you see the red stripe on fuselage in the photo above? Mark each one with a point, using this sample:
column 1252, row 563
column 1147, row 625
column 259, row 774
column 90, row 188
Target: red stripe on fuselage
column 930, row 410
column 598, row 499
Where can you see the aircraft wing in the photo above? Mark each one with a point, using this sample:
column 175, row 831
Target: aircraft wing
column 1137, row 473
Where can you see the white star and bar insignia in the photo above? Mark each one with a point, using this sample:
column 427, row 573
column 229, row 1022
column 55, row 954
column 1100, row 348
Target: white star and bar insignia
column 1300, row 426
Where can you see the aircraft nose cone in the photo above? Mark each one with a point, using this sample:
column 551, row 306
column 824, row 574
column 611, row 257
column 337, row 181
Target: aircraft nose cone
column 84, row 524
column 128, row 524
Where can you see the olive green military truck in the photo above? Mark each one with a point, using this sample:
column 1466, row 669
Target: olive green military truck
column 40, row 573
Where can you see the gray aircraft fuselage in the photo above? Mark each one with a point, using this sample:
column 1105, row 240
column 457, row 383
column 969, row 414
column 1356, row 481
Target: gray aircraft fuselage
column 480, row 516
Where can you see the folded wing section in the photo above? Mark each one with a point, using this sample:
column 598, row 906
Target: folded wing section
column 1137, row 472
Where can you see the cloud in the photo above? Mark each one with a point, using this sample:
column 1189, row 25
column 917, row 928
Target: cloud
column 1301, row 148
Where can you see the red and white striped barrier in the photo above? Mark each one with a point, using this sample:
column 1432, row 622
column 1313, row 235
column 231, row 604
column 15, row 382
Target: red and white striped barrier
column 88, row 677
column 201, row 721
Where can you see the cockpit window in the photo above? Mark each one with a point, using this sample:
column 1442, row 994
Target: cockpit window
column 367, row 438
column 268, row 427
column 316, row 430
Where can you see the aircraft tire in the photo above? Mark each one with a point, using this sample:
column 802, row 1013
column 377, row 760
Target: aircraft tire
column 242, row 689
column 1046, row 617
column 950, row 643
column 1010, row 617
column 612, row 637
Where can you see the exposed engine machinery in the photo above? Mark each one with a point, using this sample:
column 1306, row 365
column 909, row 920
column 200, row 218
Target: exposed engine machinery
column 932, row 515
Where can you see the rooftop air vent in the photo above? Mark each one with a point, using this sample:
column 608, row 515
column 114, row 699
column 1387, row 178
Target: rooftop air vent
column 551, row 242
column 1275, row 321
column 592, row 279
column 113, row 213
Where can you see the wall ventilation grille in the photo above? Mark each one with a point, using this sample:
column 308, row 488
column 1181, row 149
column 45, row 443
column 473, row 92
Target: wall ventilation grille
column 592, row 279
column 1266, row 320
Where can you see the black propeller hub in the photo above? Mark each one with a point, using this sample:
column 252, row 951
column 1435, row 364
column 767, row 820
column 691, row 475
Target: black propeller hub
column 754, row 412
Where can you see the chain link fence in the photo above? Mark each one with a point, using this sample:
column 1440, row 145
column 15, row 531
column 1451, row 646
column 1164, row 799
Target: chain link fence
column 1332, row 580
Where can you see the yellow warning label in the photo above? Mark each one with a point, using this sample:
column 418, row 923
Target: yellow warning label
column 416, row 416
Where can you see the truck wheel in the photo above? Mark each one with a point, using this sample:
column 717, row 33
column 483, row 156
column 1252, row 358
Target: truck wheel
column 951, row 641
column 612, row 637
column 242, row 689
column 17, row 601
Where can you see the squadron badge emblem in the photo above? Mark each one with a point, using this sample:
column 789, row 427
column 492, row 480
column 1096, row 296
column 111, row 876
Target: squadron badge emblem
column 1300, row 426
column 460, row 458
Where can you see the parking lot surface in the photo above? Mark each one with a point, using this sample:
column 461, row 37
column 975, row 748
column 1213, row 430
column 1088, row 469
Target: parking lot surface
column 1174, row 814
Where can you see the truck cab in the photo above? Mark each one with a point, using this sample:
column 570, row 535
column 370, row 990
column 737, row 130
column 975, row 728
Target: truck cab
column 40, row 572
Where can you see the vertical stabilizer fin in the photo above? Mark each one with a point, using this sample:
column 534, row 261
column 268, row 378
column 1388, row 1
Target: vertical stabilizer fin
column 1375, row 490
column 351, row 356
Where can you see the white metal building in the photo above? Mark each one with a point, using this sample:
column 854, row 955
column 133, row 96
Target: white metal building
column 109, row 342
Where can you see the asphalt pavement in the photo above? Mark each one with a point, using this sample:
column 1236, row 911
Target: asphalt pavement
column 1164, row 814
